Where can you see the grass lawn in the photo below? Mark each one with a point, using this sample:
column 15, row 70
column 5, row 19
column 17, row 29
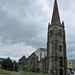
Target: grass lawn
column 2, row 71
column 31, row 73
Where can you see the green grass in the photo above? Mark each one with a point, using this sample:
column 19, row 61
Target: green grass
column 2, row 71
column 31, row 73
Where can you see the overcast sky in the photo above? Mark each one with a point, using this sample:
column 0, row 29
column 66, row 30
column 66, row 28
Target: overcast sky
column 24, row 23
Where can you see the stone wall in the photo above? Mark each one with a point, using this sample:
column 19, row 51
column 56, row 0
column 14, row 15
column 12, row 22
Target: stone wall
column 31, row 64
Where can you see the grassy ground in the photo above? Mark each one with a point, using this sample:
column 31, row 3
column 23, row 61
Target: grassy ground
column 31, row 73
column 2, row 71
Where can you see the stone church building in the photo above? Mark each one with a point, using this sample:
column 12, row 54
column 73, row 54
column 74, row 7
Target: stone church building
column 32, row 64
column 56, row 60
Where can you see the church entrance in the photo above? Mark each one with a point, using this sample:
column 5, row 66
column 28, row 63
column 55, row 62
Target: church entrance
column 61, row 71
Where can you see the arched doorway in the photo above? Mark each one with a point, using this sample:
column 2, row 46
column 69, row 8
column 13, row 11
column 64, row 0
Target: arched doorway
column 61, row 71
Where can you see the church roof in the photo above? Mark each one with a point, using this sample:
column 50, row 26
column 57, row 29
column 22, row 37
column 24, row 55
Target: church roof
column 23, row 58
column 55, row 16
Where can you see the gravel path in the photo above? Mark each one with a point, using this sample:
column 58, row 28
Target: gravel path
column 15, row 73
column 3, row 74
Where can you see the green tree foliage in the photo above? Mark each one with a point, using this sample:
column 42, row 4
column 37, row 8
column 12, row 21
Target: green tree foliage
column 7, row 64
column 15, row 66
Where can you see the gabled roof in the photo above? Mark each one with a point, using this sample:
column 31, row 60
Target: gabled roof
column 23, row 58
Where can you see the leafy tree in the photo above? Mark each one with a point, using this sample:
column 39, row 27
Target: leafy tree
column 7, row 64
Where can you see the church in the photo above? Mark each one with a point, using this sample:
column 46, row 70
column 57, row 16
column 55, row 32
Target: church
column 55, row 62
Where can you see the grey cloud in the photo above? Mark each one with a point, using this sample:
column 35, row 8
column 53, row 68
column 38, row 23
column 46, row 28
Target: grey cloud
column 27, row 24
column 24, row 21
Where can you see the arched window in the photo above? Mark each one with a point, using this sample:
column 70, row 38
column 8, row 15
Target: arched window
column 61, row 62
column 51, row 33
column 33, row 59
column 60, row 48
column 60, row 33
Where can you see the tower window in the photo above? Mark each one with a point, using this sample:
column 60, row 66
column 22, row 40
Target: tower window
column 59, row 35
column 60, row 48
column 51, row 33
column 61, row 62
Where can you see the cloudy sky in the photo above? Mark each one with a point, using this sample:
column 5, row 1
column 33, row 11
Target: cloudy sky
column 24, row 23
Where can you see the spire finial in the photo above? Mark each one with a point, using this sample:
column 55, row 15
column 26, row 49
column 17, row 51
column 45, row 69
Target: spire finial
column 55, row 16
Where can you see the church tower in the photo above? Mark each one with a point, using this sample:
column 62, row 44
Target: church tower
column 56, row 45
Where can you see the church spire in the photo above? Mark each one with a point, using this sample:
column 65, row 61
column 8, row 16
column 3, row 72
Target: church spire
column 55, row 16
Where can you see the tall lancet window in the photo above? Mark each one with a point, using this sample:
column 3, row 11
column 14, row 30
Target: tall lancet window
column 61, row 62
column 51, row 33
column 60, row 48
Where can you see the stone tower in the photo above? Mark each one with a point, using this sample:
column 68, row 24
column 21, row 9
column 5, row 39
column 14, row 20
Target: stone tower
column 56, row 45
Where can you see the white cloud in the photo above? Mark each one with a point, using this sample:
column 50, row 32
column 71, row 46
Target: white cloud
column 16, row 51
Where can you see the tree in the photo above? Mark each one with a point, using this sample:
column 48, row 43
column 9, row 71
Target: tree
column 15, row 66
column 7, row 64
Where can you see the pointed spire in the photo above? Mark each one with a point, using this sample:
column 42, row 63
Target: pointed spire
column 55, row 16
